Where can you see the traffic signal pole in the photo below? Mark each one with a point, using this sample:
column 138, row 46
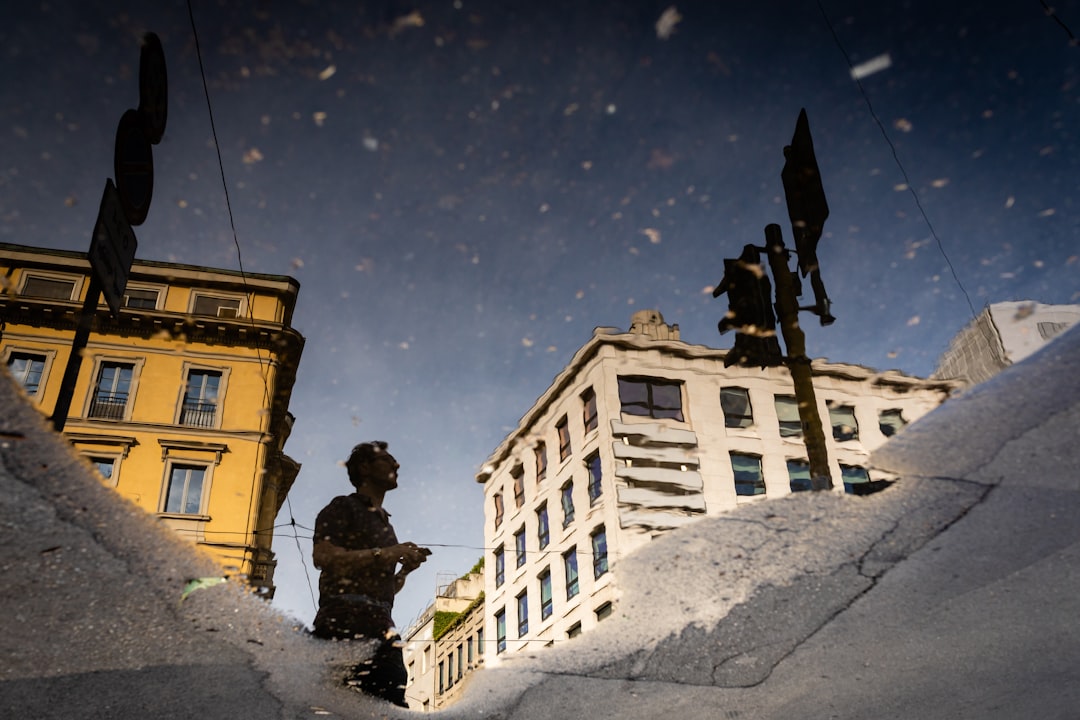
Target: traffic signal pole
column 787, row 310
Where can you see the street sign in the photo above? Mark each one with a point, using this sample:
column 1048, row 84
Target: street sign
column 153, row 88
column 133, row 165
column 112, row 249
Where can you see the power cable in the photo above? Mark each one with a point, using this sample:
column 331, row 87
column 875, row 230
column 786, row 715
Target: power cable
column 896, row 157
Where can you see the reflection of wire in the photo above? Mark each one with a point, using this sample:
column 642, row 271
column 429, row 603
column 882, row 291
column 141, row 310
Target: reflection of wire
column 903, row 172
column 1050, row 12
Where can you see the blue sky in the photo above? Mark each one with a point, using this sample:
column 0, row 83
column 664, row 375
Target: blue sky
column 465, row 189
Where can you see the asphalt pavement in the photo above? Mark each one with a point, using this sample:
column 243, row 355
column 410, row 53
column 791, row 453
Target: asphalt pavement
column 953, row 594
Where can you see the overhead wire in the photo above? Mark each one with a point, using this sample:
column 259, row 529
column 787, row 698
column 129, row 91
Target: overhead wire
column 896, row 158
column 263, row 370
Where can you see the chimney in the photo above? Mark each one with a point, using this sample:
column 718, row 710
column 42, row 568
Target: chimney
column 651, row 323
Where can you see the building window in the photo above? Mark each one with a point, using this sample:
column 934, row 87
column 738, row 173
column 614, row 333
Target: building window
column 574, row 630
column 856, row 480
column 748, row 477
column 588, row 410
column 518, row 474
column 569, row 559
column 184, row 493
column 651, row 397
column 450, row 669
column 891, row 422
column 498, row 499
column 735, row 402
column 519, row 546
column 545, row 595
column 480, row 640
column 500, row 566
column 787, row 412
column 604, row 611
column 543, row 534
column 844, row 425
column 199, row 408
column 500, row 631
column 27, row 369
column 799, row 475
column 592, row 465
column 110, row 398
column 460, row 662
column 442, row 677
column 140, row 298
column 106, row 468
column 540, row 452
column 216, row 306
column 469, row 645
column 563, row 429
column 599, row 552
column 523, row 614
column 567, row 496
column 50, row 288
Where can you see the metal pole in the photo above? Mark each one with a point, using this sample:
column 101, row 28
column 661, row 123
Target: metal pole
column 787, row 310
column 74, row 363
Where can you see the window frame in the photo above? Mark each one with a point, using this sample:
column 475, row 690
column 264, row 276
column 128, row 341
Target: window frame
column 566, row 500
column 547, row 606
column 562, row 429
column 159, row 298
column 590, row 419
column 543, row 526
column 838, row 423
column 519, row 547
column 518, row 476
column 171, row 464
column 90, row 402
column 500, row 630
column 600, row 552
column 888, row 412
column 49, row 276
column 595, row 484
column 522, row 613
column 95, row 458
column 187, row 370
column 500, row 565
column 197, row 295
column 803, row 485
column 574, row 583
column 758, row 484
column 500, row 509
column 786, row 426
column 47, row 356
column 649, row 405
column 540, row 458
column 732, row 419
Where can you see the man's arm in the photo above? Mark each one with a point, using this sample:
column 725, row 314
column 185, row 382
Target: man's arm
column 325, row 554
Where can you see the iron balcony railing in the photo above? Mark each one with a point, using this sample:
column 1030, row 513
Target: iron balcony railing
column 198, row 414
column 108, row 406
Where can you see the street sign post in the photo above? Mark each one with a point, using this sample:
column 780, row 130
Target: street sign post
column 112, row 249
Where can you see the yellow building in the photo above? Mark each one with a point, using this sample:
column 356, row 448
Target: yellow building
column 182, row 400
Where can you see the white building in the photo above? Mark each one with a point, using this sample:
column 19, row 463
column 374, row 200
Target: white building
column 446, row 644
column 642, row 433
column 1003, row 334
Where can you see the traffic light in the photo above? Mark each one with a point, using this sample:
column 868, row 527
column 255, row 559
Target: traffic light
column 750, row 312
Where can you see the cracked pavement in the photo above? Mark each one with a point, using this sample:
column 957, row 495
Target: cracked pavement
column 952, row 594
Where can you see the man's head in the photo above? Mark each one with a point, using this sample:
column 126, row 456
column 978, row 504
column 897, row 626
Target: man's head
column 369, row 463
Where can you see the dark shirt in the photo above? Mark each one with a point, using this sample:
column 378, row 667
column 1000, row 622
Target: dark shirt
column 358, row 604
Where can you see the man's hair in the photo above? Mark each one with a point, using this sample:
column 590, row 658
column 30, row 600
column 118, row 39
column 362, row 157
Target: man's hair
column 363, row 453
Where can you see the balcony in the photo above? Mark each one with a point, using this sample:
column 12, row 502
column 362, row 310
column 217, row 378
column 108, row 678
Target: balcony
column 108, row 406
column 198, row 414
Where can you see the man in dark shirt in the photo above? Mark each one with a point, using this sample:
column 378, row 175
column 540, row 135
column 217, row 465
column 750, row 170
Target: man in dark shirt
column 358, row 553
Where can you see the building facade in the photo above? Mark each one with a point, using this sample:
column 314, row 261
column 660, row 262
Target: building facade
column 181, row 403
column 1001, row 335
column 642, row 433
column 446, row 644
